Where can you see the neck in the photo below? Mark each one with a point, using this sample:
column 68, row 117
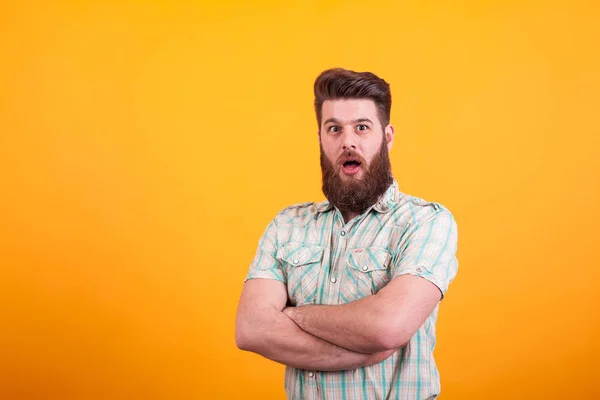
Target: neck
column 348, row 216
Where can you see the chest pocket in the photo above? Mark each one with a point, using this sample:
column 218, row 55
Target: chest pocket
column 365, row 273
column 302, row 264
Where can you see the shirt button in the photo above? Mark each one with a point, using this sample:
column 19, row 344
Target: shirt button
column 419, row 270
column 343, row 233
column 333, row 280
column 365, row 268
column 296, row 261
column 311, row 374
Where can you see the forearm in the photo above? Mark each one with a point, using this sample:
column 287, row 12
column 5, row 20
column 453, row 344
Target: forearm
column 277, row 337
column 384, row 321
column 355, row 326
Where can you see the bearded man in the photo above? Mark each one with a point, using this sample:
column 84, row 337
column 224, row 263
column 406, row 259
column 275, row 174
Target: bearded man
column 345, row 292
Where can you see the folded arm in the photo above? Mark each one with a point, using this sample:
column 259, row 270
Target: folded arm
column 262, row 328
column 425, row 266
column 384, row 321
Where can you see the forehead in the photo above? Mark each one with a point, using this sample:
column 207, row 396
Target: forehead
column 347, row 110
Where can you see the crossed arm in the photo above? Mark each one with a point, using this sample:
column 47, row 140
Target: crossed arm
column 263, row 328
column 332, row 338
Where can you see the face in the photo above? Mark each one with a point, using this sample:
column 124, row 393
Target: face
column 354, row 154
column 352, row 127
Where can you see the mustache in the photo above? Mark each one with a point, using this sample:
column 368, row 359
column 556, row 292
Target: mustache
column 350, row 155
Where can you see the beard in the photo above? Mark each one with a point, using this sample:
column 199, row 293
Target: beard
column 356, row 195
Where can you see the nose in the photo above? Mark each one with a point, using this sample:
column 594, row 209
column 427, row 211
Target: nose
column 348, row 140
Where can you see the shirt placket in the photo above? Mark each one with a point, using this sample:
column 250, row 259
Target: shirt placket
column 339, row 243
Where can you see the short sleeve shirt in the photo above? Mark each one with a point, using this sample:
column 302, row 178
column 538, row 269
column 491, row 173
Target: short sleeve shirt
column 323, row 260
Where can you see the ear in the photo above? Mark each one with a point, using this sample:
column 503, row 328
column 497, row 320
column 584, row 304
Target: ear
column 389, row 136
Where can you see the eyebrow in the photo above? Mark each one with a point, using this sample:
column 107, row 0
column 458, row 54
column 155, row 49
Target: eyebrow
column 356, row 121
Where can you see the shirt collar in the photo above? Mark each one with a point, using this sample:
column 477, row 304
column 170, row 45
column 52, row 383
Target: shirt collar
column 323, row 206
column 383, row 205
column 387, row 201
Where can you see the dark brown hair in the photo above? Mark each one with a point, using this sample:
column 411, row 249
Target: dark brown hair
column 339, row 83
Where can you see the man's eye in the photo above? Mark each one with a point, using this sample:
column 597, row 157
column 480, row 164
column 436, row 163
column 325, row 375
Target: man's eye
column 334, row 129
column 362, row 127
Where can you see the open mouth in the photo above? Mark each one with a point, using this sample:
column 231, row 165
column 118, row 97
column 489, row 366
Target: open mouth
column 351, row 166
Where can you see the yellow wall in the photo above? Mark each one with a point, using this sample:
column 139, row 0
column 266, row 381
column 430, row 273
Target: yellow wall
column 144, row 148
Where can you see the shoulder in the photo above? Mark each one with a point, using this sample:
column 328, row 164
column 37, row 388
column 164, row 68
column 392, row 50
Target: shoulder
column 298, row 214
column 417, row 211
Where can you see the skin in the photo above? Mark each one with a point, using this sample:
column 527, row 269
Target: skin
column 263, row 328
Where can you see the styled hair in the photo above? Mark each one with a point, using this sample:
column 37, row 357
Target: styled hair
column 339, row 83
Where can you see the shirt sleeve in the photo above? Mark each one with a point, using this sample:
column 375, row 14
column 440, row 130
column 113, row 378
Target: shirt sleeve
column 265, row 264
column 429, row 251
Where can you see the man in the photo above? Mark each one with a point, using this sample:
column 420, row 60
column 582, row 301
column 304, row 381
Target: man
column 345, row 292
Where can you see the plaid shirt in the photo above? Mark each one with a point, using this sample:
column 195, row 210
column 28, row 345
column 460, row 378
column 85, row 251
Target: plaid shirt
column 323, row 260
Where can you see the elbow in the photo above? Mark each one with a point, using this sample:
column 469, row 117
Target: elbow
column 243, row 339
column 243, row 332
column 391, row 336
column 391, row 341
column 250, row 332
column 249, row 338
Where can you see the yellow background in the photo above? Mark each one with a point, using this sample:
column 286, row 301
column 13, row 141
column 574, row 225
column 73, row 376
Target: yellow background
column 145, row 146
